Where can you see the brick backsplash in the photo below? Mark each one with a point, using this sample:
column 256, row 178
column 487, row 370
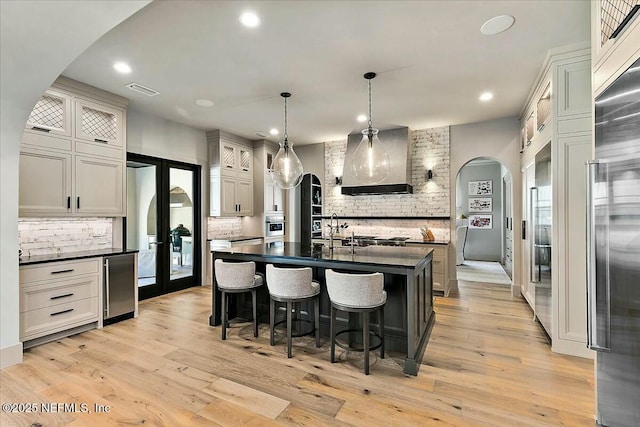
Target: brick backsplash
column 221, row 228
column 430, row 150
column 41, row 236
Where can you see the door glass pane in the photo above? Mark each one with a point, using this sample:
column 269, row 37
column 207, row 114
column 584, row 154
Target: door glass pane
column 181, row 222
column 142, row 219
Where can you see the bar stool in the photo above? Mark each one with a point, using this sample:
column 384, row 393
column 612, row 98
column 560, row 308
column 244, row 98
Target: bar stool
column 235, row 278
column 357, row 293
column 292, row 285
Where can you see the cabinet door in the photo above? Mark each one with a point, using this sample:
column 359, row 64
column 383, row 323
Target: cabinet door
column 244, row 197
column 574, row 94
column 228, row 162
column 51, row 114
column 99, row 186
column 45, row 182
column 278, row 198
column 98, row 123
column 228, row 197
column 245, row 162
column 269, row 194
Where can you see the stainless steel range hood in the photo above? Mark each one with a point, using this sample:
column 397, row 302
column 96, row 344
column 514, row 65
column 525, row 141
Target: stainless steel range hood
column 396, row 142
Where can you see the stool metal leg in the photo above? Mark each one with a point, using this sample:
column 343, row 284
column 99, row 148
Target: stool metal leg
column 333, row 334
column 272, row 321
column 365, row 341
column 381, row 330
column 255, row 313
column 289, row 329
column 223, row 303
column 316, row 310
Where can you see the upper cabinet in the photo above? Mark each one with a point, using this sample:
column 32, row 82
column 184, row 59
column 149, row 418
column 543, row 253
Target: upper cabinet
column 230, row 174
column 51, row 114
column 74, row 173
column 615, row 39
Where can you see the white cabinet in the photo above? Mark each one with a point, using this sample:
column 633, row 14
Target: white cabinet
column 273, row 196
column 59, row 296
column 45, row 182
column 98, row 123
column 51, row 114
column 81, row 173
column 100, row 188
column 230, row 174
column 568, row 129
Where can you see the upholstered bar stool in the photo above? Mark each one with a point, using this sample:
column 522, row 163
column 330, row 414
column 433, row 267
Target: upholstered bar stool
column 357, row 293
column 291, row 286
column 235, row 278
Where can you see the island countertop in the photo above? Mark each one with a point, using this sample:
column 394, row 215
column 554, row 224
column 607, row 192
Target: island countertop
column 384, row 257
column 408, row 282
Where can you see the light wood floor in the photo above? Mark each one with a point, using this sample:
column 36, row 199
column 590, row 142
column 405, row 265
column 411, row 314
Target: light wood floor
column 487, row 364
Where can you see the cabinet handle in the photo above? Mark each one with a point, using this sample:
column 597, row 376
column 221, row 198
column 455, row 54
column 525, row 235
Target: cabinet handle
column 101, row 141
column 524, row 229
column 107, row 285
column 245, row 169
column 41, row 129
column 62, row 271
column 61, row 312
column 61, row 296
column 68, row 202
column 78, row 203
column 275, row 207
column 229, row 166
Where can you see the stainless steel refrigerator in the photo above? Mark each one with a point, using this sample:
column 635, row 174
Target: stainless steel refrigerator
column 613, row 234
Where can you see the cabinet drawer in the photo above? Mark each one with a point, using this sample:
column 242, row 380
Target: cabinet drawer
column 438, row 265
column 43, row 140
column 48, row 320
column 58, row 270
column 100, row 150
column 438, row 282
column 61, row 292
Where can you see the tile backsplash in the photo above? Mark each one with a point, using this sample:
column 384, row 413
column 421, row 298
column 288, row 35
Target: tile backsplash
column 42, row 236
column 394, row 228
column 221, row 228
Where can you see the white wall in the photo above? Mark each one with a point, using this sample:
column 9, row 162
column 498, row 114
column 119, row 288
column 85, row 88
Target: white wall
column 496, row 139
column 29, row 64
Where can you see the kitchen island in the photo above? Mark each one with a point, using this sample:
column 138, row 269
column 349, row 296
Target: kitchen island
column 409, row 315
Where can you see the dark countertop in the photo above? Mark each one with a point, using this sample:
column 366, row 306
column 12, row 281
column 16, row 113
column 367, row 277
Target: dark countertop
column 234, row 238
column 432, row 242
column 40, row 259
column 387, row 256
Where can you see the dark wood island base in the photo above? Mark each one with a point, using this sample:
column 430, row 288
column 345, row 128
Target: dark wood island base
column 409, row 315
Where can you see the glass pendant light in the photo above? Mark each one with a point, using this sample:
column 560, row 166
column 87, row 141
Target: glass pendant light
column 287, row 168
column 370, row 160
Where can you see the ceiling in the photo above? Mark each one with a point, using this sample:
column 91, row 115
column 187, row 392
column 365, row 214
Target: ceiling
column 431, row 59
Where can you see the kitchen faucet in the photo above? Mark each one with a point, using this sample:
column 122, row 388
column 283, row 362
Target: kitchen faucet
column 333, row 215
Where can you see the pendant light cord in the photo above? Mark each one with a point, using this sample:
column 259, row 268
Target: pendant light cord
column 286, row 137
column 370, row 123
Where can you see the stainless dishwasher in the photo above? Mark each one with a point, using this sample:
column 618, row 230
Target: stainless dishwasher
column 119, row 286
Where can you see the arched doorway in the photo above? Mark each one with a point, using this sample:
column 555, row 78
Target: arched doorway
column 484, row 222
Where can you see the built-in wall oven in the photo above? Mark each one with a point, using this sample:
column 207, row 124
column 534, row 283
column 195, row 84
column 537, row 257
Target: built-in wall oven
column 274, row 225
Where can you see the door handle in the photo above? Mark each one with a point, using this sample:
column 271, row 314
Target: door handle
column 598, row 293
column 532, row 237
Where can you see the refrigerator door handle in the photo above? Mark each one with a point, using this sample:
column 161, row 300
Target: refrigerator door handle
column 106, row 287
column 598, row 309
column 532, row 233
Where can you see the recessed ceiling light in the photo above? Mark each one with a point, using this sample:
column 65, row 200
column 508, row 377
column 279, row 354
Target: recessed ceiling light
column 250, row 19
column 486, row 96
column 122, row 67
column 204, row 102
column 362, row 118
column 497, row 25
column 274, row 131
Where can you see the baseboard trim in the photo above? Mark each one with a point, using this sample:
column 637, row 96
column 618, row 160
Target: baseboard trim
column 572, row 348
column 10, row 355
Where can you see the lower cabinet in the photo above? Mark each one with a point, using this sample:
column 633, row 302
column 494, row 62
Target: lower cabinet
column 440, row 266
column 59, row 296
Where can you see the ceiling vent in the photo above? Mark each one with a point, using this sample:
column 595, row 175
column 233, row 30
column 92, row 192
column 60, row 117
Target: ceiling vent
column 142, row 89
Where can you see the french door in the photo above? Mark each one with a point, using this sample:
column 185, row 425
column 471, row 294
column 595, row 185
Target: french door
column 164, row 223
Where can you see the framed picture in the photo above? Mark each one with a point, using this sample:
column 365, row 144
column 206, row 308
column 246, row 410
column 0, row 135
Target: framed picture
column 481, row 188
column 484, row 222
column 480, row 204
column 316, row 226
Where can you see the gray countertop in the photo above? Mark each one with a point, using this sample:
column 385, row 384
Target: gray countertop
column 234, row 238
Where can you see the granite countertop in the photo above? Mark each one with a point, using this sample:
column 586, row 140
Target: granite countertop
column 392, row 256
column 40, row 259
column 234, row 238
